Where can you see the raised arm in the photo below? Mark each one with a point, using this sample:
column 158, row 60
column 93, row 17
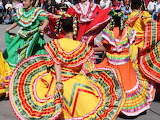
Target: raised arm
column 151, row 21
column 45, row 23
column 99, row 49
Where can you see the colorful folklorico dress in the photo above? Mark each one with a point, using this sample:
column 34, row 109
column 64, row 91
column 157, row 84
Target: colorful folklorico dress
column 138, row 99
column 96, row 95
column 4, row 75
column 150, row 57
column 91, row 20
column 118, row 57
column 29, row 41
column 138, row 21
column 86, row 12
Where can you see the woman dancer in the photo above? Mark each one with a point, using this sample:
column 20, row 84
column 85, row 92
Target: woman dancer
column 139, row 20
column 91, row 21
column 116, row 39
column 65, row 91
column 29, row 40
column 5, row 71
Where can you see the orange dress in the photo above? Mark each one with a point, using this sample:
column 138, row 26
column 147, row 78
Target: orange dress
column 118, row 57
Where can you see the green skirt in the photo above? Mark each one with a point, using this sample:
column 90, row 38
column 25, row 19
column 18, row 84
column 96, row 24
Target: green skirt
column 19, row 48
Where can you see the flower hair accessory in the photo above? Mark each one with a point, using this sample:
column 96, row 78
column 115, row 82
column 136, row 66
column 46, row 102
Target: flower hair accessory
column 120, row 14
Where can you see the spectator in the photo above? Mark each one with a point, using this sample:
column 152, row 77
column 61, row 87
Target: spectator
column 1, row 4
column 8, row 5
column 105, row 4
column 8, row 19
column 48, row 6
column 58, row 1
column 10, row 11
column 19, row 4
column 42, row 3
column 14, row 2
column 63, row 6
column 36, row 3
column 151, row 6
column 157, row 10
column 68, row 3
column 1, row 16
column 157, row 6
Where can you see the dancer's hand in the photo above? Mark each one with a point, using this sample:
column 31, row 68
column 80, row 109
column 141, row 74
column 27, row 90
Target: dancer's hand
column 41, row 28
column 59, row 85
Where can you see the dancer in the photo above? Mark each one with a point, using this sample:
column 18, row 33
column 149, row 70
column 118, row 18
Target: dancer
column 86, row 12
column 58, row 87
column 139, row 20
column 92, row 20
column 5, row 71
column 29, row 40
column 117, row 38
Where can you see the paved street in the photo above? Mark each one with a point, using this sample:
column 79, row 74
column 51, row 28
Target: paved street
column 6, row 112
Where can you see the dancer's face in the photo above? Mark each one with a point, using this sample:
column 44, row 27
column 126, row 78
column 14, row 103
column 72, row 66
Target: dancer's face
column 27, row 3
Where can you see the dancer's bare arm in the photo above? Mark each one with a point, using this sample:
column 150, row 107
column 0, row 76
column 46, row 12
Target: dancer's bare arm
column 11, row 27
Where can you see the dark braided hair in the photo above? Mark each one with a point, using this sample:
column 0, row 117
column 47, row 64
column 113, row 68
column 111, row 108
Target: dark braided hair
column 117, row 19
column 67, row 24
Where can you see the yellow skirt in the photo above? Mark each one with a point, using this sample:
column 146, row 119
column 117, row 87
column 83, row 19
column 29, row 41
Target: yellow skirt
column 33, row 94
column 4, row 72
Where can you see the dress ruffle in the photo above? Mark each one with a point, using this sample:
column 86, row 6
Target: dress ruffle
column 33, row 94
column 24, row 19
column 150, row 63
column 71, row 59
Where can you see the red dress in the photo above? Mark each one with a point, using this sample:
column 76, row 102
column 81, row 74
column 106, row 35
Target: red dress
column 91, row 21
column 86, row 12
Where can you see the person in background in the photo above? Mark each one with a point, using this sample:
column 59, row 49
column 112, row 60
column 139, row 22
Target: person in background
column 42, row 3
column 151, row 6
column 105, row 4
column 37, row 3
column 67, row 2
column 58, row 1
column 63, row 6
column 1, row 4
column 157, row 10
column 48, row 6
column 18, row 4
column 10, row 11
column 8, row 19
column 8, row 16
column 8, row 5
column 1, row 16
column 14, row 2
column 157, row 6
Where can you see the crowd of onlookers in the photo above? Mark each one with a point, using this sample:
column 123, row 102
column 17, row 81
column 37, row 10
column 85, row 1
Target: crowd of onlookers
column 154, row 8
column 8, row 8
